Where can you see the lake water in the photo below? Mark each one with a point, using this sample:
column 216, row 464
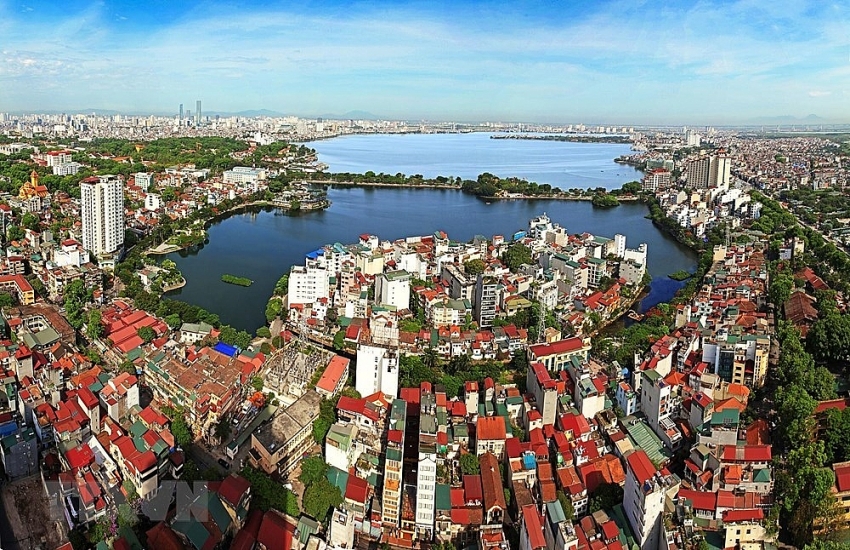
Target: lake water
column 561, row 164
column 262, row 245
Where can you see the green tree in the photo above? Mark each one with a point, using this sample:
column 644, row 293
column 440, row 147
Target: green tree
column 222, row 429
column 15, row 233
column 469, row 464
column 339, row 340
column 181, row 430
column 146, row 333
column 516, row 255
column 313, row 468
column 7, row 299
column 173, row 321
column 829, row 338
column 94, row 328
column 30, row 221
column 264, row 332
column 76, row 296
column 327, row 416
column 267, row 494
column 605, row 497
column 795, row 407
column 780, row 289
column 474, row 267
column 130, row 491
column 257, row 383
column 320, row 497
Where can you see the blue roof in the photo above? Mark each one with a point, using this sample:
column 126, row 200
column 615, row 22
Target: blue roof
column 225, row 349
column 316, row 253
column 8, row 428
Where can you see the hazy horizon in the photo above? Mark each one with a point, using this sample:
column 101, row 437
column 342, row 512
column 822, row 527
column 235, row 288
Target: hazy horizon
column 719, row 63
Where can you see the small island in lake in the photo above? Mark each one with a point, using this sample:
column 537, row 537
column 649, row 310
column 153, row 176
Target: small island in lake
column 680, row 275
column 604, row 201
column 234, row 280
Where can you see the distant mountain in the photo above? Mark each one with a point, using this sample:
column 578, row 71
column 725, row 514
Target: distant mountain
column 787, row 119
column 350, row 115
column 259, row 112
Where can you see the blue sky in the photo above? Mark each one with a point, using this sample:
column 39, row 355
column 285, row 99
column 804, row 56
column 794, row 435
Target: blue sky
column 561, row 61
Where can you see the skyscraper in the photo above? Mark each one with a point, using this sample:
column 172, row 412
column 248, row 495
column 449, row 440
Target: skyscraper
column 198, row 113
column 102, row 201
column 181, row 114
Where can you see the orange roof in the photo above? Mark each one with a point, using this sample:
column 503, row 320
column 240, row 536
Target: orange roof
column 490, row 428
column 333, row 373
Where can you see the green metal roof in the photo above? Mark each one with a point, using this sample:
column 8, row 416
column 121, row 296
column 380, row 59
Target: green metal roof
column 443, row 500
column 555, row 512
column 338, row 478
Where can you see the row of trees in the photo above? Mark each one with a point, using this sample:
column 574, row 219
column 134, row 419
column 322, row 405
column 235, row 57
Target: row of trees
column 804, row 480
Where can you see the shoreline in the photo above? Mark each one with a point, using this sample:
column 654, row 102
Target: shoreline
column 561, row 197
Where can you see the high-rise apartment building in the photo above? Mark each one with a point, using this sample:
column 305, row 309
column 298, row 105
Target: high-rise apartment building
column 377, row 370
column 486, row 294
column 710, row 171
column 102, row 202
column 393, row 465
column 426, row 475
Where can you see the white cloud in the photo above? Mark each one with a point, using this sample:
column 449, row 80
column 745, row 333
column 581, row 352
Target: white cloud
column 819, row 93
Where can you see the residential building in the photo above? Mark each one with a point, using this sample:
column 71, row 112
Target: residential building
column 102, row 206
column 393, row 289
column 426, row 474
column 557, row 355
column 244, row 175
column 377, row 370
column 643, row 500
column 486, row 300
column 544, row 390
column 393, row 465
column 656, row 179
column 307, row 283
column 278, row 447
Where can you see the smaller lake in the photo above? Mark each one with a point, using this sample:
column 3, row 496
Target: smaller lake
column 559, row 163
column 262, row 244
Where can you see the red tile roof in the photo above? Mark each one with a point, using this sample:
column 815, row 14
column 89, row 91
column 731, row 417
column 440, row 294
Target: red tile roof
column 746, row 453
column 700, row 500
column 555, row 348
column 357, row 489
column 333, row 373
column 233, row 488
column 533, row 526
column 491, row 482
column 490, row 428
column 276, row 531
column 842, row 477
column 641, row 466
column 753, row 514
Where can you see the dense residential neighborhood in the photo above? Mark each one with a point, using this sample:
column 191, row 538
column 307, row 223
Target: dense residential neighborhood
column 421, row 392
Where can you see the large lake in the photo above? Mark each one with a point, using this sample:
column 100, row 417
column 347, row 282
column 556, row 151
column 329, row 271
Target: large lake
column 262, row 245
column 558, row 163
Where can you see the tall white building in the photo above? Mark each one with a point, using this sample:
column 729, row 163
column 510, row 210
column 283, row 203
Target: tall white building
column 720, row 171
column 426, row 474
column 307, row 283
column 620, row 245
column 377, row 370
column 643, row 499
column 102, row 203
column 393, row 289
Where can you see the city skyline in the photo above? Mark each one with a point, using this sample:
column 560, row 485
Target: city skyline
column 718, row 63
